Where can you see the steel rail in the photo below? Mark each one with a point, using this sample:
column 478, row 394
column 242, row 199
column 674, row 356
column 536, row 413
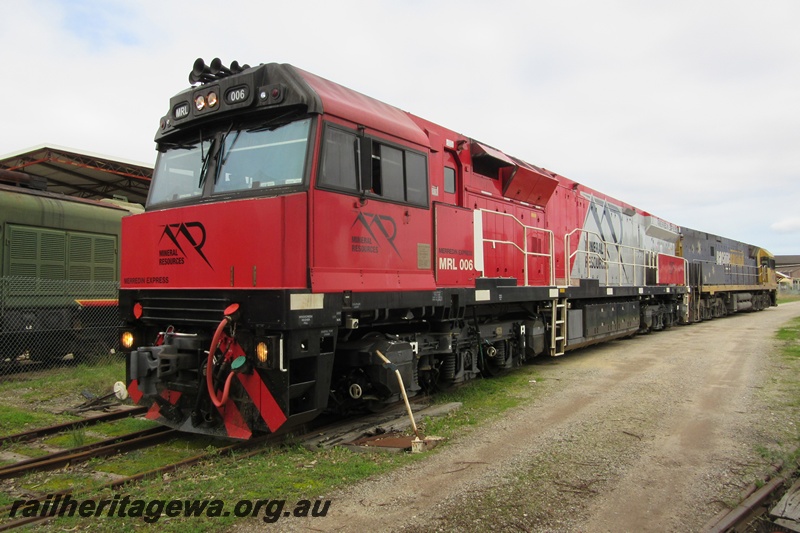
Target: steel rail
column 81, row 453
column 69, row 426
column 227, row 450
column 742, row 513
column 261, row 443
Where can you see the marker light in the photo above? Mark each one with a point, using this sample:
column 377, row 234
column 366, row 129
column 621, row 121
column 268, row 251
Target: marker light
column 127, row 339
column 137, row 310
column 240, row 365
column 200, row 102
column 262, row 352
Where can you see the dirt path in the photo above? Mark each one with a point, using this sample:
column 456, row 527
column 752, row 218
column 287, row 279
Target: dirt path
column 654, row 433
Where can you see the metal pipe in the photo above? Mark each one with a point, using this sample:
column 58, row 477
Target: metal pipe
column 219, row 402
column 403, row 391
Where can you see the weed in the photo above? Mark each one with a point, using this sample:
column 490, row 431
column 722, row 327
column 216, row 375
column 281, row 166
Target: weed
column 292, row 472
column 77, row 437
column 786, row 385
column 37, row 399
column 124, row 426
column 17, row 419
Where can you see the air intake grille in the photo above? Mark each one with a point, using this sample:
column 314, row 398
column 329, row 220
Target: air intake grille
column 182, row 310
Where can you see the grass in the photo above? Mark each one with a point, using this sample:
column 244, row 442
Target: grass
column 790, row 335
column 785, row 400
column 37, row 399
column 51, row 484
column 73, row 439
column 15, row 420
column 95, row 379
column 24, row 449
column 482, row 399
column 124, row 426
column 291, row 473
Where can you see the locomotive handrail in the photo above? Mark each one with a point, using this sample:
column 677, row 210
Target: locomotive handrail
column 649, row 258
column 587, row 254
column 740, row 274
column 551, row 244
column 649, row 262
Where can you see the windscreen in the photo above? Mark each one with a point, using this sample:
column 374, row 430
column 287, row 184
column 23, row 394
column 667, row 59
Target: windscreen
column 177, row 174
column 262, row 158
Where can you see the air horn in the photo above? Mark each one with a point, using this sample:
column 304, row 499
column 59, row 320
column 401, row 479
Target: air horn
column 202, row 73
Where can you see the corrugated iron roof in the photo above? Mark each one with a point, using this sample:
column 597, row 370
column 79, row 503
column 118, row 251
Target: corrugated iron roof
column 82, row 174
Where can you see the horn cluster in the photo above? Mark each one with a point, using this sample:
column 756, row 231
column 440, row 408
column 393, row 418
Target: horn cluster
column 202, row 73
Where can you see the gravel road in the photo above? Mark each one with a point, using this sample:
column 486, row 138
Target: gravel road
column 656, row 433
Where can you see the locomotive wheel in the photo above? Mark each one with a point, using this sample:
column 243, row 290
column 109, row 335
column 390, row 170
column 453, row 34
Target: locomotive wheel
column 491, row 371
column 489, row 368
column 428, row 381
column 374, row 406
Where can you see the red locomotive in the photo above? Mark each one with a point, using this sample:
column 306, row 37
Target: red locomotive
column 295, row 228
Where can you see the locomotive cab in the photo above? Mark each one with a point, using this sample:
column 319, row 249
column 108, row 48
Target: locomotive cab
column 231, row 221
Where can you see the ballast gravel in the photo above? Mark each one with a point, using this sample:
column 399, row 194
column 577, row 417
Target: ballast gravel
column 660, row 432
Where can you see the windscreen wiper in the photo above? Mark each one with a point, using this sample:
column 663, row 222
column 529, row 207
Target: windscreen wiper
column 275, row 122
column 230, row 148
column 205, row 157
column 163, row 147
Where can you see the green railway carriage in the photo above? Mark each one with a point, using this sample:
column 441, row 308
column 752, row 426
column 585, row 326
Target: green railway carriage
column 59, row 269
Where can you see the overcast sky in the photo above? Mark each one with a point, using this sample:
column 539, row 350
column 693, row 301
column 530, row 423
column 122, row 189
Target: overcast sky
column 687, row 109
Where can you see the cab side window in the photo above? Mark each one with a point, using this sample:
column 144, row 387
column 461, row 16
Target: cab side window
column 387, row 171
column 449, row 180
column 399, row 175
column 416, row 179
column 339, row 160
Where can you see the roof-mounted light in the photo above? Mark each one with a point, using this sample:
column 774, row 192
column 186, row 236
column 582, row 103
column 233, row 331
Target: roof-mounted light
column 271, row 94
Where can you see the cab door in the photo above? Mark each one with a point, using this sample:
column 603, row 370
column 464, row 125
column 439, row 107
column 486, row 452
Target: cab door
column 371, row 217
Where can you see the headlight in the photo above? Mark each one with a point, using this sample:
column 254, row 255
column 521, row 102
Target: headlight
column 262, row 352
column 126, row 339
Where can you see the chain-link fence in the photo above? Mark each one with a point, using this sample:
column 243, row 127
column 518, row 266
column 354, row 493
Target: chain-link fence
column 45, row 323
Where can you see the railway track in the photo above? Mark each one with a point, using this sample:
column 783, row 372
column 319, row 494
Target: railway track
column 315, row 436
column 149, row 474
column 37, row 433
column 757, row 509
column 104, row 448
column 752, row 509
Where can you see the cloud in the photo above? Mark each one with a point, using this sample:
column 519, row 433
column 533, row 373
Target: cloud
column 101, row 23
column 685, row 109
column 787, row 225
